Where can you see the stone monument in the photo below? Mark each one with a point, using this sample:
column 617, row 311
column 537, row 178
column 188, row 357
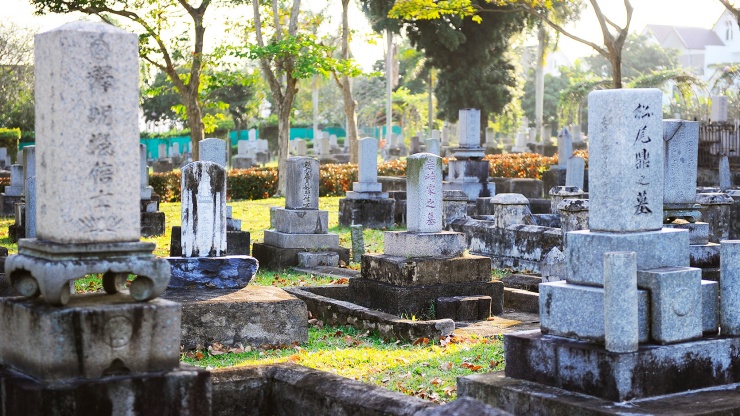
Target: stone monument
column 152, row 219
column 469, row 172
column 424, row 263
column 301, row 226
column 631, row 318
column 82, row 354
column 13, row 193
column 366, row 204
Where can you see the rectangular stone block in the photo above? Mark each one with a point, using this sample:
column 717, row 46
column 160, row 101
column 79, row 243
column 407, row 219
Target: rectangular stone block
column 318, row 258
column 625, row 141
column 271, row 257
column 302, row 183
column 87, row 72
column 418, row 300
column 463, row 308
column 675, row 303
column 681, row 148
column 585, row 249
column 651, row 371
column 304, row 241
column 424, row 193
column 704, row 256
column 213, row 150
column 300, row 221
column 698, row 231
column 91, row 337
column 468, row 127
column 203, row 230
column 709, row 306
column 367, row 153
column 412, row 245
column 364, row 187
column 370, row 213
column 577, row 311
column 403, row 271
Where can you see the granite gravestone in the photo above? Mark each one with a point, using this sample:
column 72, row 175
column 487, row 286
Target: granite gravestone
column 366, row 204
column 565, row 147
column 213, row 150
column 575, row 172
column 203, row 188
column 725, row 174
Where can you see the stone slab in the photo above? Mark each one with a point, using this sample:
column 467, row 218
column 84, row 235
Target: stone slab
column 318, row 258
column 254, row 315
column 709, row 307
column 526, row 282
column 301, row 221
column 226, row 272
column 680, row 144
column 585, row 249
column 370, row 213
column 306, row 242
column 404, row 271
column 93, row 336
column 463, row 308
column 521, row 300
column 704, row 256
column 182, row 391
column 367, row 187
column 523, row 397
column 302, row 183
column 412, row 245
column 88, row 72
column 273, row 258
column 418, row 300
column 238, row 243
column 7, row 204
column 424, row 193
column 585, row 368
column 152, row 224
column 698, row 231
column 675, row 303
column 577, row 311
column 203, row 213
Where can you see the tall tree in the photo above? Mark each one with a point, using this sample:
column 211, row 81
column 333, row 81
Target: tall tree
column 730, row 6
column 160, row 44
column 344, row 83
column 16, row 77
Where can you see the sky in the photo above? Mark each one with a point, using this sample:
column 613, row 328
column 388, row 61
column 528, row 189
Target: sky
column 698, row 13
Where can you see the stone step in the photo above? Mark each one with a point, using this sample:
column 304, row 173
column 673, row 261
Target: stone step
column 521, row 300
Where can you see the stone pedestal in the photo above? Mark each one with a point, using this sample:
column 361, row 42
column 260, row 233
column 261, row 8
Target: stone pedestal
column 471, row 177
column 559, row 193
column 7, row 204
column 715, row 210
column 273, row 257
column 370, row 213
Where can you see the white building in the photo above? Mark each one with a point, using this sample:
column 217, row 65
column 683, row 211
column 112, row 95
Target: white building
column 700, row 48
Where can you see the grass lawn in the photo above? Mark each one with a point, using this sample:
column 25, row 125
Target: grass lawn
column 425, row 368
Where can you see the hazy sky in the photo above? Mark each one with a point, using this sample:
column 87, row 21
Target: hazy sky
column 700, row 13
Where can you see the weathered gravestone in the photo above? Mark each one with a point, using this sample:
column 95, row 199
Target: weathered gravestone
column 468, row 172
column 610, row 302
column 152, row 220
column 300, row 226
column 423, row 263
column 88, row 197
column 366, row 204
column 13, row 193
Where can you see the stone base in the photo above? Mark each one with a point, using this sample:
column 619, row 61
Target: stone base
column 254, row 315
column 45, row 268
column 300, row 221
column 7, row 204
column 310, row 259
column 521, row 397
column 16, row 232
column 306, row 242
column 704, row 256
column 371, row 213
column 650, row 371
column 183, row 391
column 152, row 223
column 463, row 308
column 418, row 300
column 473, row 190
column 584, row 252
column 413, row 245
column 237, row 243
column 271, row 257
column 424, row 271
column 96, row 335
column 698, row 231
column 227, row 272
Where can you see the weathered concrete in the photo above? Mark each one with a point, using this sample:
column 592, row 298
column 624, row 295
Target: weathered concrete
column 271, row 257
column 417, row 271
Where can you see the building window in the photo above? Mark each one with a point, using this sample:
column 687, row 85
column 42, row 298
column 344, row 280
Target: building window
column 728, row 29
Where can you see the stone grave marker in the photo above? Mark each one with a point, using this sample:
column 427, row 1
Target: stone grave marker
column 565, row 147
column 725, row 175
column 719, row 108
column 162, row 151
column 424, row 193
column 213, row 150
column 575, row 172
column 203, row 188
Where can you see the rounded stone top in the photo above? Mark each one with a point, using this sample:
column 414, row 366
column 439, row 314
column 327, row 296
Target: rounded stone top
column 510, row 199
column 573, row 205
column 82, row 26
column 565, row 191
column 713, row 198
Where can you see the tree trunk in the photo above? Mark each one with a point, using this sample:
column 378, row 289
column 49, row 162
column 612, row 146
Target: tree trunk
column 350, row 107
column 616, row 61
column 539, row 77
column 283, row 142
column 195, row 122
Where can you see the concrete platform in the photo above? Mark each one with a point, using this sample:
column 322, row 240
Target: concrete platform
column 371, row 213
column 271, row 257
column 525, row 398
column 254, row 315
column 419, row 271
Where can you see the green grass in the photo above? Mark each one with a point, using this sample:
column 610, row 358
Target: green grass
column 426, row 368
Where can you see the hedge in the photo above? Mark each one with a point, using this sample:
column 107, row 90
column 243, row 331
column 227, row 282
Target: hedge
column 9, row 138
column 336, row 179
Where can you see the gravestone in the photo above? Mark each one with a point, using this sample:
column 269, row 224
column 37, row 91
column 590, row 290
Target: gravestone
column 203, row 188
column 300, row 226
column 213, row 150
column 162, row 151
column 575, row 172
column 87, row 223
column 725, row 175
column 565, row 148
column 152, row 220
column 433, row 146
column 245, row 157
column 13, row 193
column 520, row 144
column 680, row 144
column 252, row 135
column 719, row 108
column 300, row 147
column 611, row 301
column 423, row 263
column 469, row 172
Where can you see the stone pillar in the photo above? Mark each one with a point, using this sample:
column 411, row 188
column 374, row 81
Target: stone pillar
column 358, row 242
column 681, row 149
column 29, row 165
column 468, row 132
column 575, row 172
column 455, row 205
column 368, row 162
column 303, row 172
column 620, row 120
column 434, row 146
column 565, row 147
column 719, row 108
column 715, row 210
column 203, row 231
column 16, row 181
column 213, row 150
column 424, row 193
column 573, row 216
column 509, row 209
column 146, row 190
column 729, row 286
column 620, row 301
column 100, row 88
column 725, row 175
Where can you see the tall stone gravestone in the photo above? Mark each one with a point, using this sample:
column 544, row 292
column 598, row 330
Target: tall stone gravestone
column 301, row 226
column 468, row 172
column 88, row 222
column 680, row 146
column 725, row 174
column 13, row 193
column 575, row 172
column 366, row 204
column 29, row 191
column 243, row 159
column 647, row 283
column 719, row 108
column 152, row 220
column 423, row 263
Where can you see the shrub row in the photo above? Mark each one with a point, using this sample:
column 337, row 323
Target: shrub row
column 9, row 139
column 336, row 179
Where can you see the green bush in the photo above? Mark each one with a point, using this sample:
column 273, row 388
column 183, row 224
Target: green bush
column 9, row 139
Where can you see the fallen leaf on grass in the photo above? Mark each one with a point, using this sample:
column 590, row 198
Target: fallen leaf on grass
column 436, row 381
column 385, row 380
column 340, row 281
column 471, row 367
column 294, row 358
column 422, row 341
column 450, row 390
column 402, row 360
column 446, row 366
column 493, row 363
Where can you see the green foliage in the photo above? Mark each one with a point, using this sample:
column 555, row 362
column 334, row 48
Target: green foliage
column 164, row 135
column 16, row 76
column 9, row 138
column 553, row 86
column 640, row 57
